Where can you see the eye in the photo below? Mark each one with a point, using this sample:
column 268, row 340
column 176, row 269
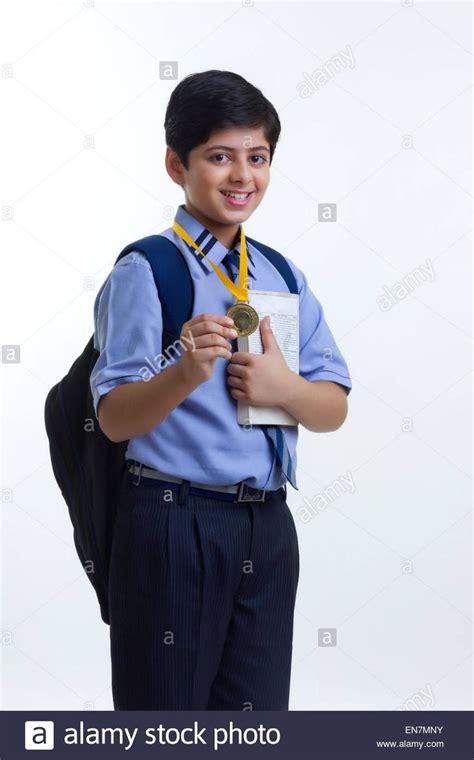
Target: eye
column 217, row 155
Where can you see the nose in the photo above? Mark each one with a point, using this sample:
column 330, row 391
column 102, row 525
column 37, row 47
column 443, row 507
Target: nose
column 240, row 171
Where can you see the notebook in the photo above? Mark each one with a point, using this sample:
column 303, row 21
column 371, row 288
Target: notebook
column 283, row 309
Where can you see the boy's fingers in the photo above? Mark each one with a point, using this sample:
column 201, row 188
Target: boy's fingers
column 211, row 339
column 207, row 353
column 237, row 370
column 207, row 327
column 242, row 357
column 211, row 317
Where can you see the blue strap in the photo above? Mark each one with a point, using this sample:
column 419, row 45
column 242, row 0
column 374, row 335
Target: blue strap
column 172, row 279
column 279, row 262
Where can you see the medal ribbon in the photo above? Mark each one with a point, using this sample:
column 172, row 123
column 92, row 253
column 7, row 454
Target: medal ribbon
column 240, row 291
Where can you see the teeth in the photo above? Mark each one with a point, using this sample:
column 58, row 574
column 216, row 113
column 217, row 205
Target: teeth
column 237, row 196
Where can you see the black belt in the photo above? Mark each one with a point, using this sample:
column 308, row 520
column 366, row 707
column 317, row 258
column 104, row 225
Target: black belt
column 237, row 493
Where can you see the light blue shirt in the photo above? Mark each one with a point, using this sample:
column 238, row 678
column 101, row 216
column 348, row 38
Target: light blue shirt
column 201, row 439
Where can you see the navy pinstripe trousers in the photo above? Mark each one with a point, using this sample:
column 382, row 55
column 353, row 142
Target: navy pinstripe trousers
column 202, row 597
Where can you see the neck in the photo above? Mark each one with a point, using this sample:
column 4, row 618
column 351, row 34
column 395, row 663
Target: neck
column 227, row 234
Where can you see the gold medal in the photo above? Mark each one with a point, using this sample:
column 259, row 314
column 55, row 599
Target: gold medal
column 245, row 318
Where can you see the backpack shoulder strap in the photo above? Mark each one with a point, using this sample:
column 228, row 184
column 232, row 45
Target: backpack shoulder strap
column 279, row 262
column 172, row 279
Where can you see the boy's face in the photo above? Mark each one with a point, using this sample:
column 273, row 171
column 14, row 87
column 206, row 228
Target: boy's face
column 235, row 159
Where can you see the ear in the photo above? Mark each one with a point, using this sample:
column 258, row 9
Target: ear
column 174, row 167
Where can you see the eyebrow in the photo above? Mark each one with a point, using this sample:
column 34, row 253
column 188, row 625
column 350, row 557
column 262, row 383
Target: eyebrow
column 227, row 147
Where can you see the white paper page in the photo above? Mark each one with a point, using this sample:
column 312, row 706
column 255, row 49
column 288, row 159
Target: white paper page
column 283, row 309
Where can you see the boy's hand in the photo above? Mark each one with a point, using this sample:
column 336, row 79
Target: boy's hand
column 202, row 340
column 260, row 379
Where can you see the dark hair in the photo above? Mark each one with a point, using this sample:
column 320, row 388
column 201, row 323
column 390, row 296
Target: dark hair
column 210, row 100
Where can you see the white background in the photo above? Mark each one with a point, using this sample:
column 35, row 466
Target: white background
column 387, row 566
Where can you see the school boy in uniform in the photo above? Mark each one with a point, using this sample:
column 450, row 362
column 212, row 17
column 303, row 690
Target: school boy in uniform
column 205, row 563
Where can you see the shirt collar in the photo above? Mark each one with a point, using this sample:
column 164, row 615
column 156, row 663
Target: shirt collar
column 213, row 249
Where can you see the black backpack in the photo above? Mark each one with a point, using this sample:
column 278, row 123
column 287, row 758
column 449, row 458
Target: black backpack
column 88, row 467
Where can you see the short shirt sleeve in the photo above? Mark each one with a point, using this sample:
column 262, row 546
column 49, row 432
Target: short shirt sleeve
column 128, row 326
column 320, row 357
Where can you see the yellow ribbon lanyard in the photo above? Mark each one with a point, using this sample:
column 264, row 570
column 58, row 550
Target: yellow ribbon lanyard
column 240, row 291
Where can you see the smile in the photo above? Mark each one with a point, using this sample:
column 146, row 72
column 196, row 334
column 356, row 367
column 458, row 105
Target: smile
column 234, row 198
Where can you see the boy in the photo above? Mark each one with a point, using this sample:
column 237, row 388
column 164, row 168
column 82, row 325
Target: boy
column 205, row 563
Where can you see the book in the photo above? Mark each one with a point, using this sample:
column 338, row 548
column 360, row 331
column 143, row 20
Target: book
column 283, row 309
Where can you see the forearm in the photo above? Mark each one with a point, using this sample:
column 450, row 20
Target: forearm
column 320, row 406
column 134, row 409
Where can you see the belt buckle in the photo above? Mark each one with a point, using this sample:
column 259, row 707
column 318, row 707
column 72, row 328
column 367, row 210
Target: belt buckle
column 140, row 466
column 244, row 495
